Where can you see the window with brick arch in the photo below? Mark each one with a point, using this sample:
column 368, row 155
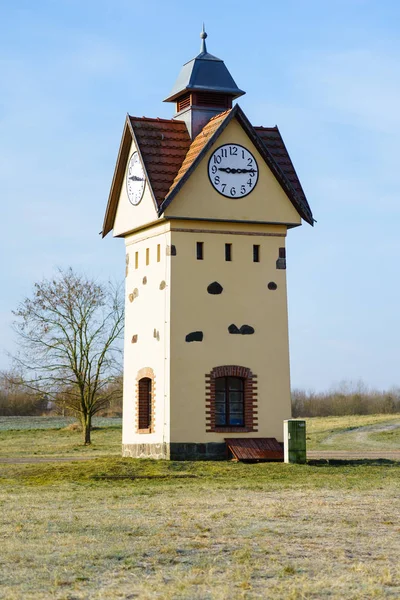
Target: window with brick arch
column 145, row 416
column 231, row 400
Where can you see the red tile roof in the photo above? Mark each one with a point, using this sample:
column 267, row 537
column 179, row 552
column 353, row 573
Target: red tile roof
column 198, row 144
column 169, row 156
column 272, row 139
column 163, row 144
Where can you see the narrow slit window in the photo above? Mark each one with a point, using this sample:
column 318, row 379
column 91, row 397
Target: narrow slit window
column 228, row 252
column 282, row 252
column 147, row 256
column 199, row 250
column 136, row 260
column 158, row 252
column 256, row 253
column 145, row 416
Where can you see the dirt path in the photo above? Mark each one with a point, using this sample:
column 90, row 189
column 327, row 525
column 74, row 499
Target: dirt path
column 360, row 437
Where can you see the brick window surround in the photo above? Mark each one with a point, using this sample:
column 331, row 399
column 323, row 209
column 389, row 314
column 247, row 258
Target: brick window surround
column 250, row 399
column 141, row 403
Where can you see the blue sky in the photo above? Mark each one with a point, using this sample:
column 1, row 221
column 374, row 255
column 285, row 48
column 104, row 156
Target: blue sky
column 326, row 72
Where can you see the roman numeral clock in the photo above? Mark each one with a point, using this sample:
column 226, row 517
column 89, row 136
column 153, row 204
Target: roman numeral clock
column 204, row 201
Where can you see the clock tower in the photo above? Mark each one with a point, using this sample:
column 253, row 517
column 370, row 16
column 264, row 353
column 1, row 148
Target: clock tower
column 204, row 201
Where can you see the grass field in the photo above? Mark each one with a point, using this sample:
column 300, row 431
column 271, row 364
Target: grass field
column 357, row 432
column 53, row 437
column 113, row 528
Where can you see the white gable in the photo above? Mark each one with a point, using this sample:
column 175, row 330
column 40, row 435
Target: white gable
column 129, row 217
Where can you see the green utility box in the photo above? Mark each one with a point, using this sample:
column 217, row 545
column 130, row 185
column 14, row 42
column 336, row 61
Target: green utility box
column 294, row 441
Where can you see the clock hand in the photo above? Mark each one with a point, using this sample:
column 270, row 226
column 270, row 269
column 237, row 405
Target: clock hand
column 229, row 170
column 134, row 178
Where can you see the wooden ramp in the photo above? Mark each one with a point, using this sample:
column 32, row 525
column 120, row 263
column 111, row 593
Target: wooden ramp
column 255, row 448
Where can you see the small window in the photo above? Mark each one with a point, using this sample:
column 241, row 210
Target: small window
column 282, row 252
column 228, row 252
column 158, row 252
column 199, row 250
column 136, row 260
column 229, row 402
column 256, row 253
column 145, row 403
column 147, row 256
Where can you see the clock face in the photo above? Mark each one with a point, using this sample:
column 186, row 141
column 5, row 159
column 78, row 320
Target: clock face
column 233, row 171
column 135, row 179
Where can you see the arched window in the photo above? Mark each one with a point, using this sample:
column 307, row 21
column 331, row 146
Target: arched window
column 229, row 402
column 145, row 415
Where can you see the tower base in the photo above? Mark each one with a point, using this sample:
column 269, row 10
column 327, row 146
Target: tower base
column 176, row 451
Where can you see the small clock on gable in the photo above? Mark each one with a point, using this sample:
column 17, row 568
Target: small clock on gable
column 135, row 179
column 233, row 171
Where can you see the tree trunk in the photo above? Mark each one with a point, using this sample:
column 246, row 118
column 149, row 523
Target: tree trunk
column 87, row 426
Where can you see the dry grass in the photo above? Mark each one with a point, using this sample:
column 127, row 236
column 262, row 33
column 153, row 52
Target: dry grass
column 74, row 531
column 59, row 442
column 354, row 432
column 235, row 531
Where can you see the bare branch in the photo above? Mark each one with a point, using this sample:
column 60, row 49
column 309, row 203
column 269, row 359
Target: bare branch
column 70, row 334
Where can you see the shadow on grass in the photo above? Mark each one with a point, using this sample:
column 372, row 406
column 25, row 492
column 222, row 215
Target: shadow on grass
column 355, row 462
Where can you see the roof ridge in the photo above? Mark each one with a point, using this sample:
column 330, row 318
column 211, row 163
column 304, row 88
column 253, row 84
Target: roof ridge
column 274, row 128
column 225, row 112
column 157, row 119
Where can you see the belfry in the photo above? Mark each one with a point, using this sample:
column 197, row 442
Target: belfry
column 204, row 201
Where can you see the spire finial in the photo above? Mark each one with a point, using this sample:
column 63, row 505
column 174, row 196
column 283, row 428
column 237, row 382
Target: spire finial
column 203, row 35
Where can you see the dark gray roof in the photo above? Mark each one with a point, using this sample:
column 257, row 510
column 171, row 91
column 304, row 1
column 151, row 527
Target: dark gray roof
column 204, row 73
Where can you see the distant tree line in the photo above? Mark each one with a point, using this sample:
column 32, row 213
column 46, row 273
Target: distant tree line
column 16, row 399
column 347, row 398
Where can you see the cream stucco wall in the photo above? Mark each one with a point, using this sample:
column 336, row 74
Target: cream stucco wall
column 245, row 299
column 185, row 305
column 149, row 311
column 129, row 217
column 266, row 203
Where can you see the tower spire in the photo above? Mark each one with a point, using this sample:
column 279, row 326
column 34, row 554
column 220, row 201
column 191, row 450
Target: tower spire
column 203, row 36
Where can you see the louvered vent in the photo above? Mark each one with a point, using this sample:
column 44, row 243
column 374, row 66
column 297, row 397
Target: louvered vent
column 209, row 99
column 183, row 102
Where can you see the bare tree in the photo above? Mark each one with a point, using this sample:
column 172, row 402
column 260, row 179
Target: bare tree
column 69, row 332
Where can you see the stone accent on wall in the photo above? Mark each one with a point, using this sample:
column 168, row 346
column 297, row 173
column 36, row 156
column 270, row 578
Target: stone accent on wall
column 171, row 250
column 176, row 451
column 281, row 262
column 144, row 281
column 146, row 450
column 243, row 330
column 246, row 330
column 215, row 288
column 250, row 399
column 163, row 285
column 194, row 336
column 133, row 295
column 134, row 339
